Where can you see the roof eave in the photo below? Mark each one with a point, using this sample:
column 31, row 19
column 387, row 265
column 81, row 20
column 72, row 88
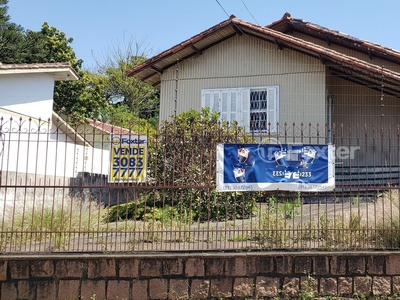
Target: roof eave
column 59, row 71
column 175, row 49
column 284, row 40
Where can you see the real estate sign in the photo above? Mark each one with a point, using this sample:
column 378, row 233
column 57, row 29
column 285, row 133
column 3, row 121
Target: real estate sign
column 262, row 167
column 128, row 155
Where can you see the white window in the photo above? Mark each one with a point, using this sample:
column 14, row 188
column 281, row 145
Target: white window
column 252, row 108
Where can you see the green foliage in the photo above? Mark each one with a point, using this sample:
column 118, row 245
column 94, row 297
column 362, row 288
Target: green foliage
column 11, row 37
column 309, row 288
column 286, row 206
column 125, row 211
column 139, row 211
column 141, row 98
column 55, row 220
column 349, row 231
column 273, row 230
column 185, row 157
column 121, row 115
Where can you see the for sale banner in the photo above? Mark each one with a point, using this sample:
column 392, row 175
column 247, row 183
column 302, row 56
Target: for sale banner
column 128, row 155
column 263, row 167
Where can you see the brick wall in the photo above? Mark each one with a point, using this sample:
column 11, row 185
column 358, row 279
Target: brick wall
column 200, row 276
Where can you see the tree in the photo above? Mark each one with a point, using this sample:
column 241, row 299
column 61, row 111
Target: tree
column 106, row 93
column 79, row 98
column 11, row 37
column 141, row 98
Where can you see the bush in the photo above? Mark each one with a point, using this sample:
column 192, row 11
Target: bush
column 182, row 160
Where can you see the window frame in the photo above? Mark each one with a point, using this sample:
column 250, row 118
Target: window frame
column 217, row 99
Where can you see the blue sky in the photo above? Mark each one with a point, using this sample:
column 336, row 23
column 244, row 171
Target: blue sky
column 98, row 25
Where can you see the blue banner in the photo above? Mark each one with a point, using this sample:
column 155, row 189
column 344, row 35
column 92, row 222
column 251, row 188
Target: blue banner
column 290, row 167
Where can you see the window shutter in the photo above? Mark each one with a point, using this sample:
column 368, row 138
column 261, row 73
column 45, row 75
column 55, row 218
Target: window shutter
column 230, row 110
column 206, row 99
column 234, row 107
column 245, row 108
column 210, row 99
column 215, row 102
column 272, row 106
column 225, row 109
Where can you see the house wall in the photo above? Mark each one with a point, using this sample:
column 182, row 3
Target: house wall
column 361, row 121
column 30, row 148
column 33, row 147
column 100, row 152
column 28, row 94
column 243, row 61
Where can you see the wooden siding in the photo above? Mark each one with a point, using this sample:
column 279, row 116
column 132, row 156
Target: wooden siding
column 357, row 115
column 243, row 61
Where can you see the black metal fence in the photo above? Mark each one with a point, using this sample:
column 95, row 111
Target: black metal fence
column 63, row 190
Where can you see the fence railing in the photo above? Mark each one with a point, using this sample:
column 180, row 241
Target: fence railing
column 63, row 189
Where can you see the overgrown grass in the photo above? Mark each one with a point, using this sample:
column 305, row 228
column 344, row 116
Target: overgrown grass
column 54, row 221
column 387, row 233
column 278, row 224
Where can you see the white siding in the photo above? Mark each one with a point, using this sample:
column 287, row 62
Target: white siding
column 26, row 148
column 28, row 94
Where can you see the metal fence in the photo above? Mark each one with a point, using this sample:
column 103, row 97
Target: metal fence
column 59, row 191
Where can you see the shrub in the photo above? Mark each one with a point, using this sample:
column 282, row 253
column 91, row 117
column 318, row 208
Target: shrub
column 183, row 157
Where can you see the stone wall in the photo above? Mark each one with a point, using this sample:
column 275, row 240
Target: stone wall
column 260, row 275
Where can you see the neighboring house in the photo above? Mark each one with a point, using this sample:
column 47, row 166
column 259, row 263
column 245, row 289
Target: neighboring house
column 291, row 71
column 31, row 135
column 98, row 135
column 38, row 148
column 42, row 156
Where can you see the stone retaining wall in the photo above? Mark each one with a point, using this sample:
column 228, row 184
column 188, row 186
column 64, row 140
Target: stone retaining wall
column 258, row 275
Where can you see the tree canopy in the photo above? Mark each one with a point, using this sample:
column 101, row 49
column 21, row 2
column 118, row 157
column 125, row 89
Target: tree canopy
column 141, row 98
column 11, row 37
column 102, row 94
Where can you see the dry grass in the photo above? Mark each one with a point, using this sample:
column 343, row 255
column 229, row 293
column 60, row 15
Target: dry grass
column 61, row 224
column 33, row 221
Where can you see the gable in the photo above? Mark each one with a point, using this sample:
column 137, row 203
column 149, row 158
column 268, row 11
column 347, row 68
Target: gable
column 242, row 62
column 241, row 57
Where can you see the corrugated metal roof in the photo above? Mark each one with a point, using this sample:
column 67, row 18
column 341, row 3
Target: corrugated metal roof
column 343, row 65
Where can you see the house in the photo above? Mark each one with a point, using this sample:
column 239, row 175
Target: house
column 42, row 156
column 38, row 148
column 289, row 72
column 29, row 126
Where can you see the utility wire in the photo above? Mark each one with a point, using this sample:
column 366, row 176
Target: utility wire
column 240, row 28
column 222, row 8
column 250, row 12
